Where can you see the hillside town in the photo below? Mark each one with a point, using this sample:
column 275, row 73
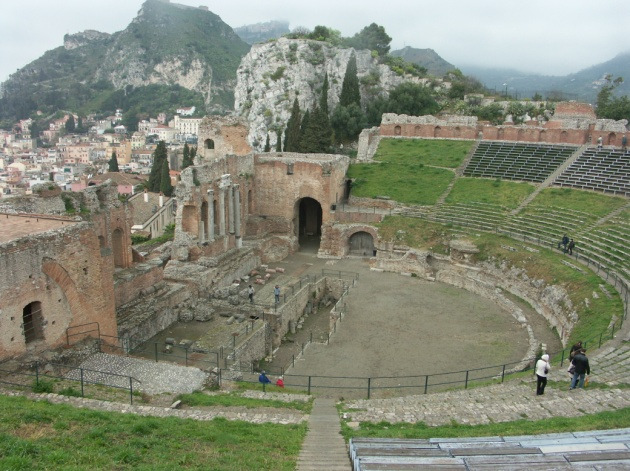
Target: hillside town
column 74, row 156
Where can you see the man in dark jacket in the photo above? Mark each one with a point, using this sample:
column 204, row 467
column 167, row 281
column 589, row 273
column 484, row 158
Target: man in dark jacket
column 582, row 369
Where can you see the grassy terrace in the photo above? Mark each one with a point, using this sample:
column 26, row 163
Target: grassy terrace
column 505, row 193
column 596, row 204
column 409, row 171
column 40, row 435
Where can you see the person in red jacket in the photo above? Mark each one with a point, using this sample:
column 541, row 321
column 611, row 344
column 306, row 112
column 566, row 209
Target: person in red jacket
column 280, row 382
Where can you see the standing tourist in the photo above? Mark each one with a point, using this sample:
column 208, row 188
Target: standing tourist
column 582, row 368
column 250, row 293
column 542, row 370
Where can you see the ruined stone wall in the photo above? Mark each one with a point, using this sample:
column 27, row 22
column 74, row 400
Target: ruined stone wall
column 257, row 345
column 220, row 136
column 336, row 240
column 68, row 273
column 130, row 284
column 371, row 203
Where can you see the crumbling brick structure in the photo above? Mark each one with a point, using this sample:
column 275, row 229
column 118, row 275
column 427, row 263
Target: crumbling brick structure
column 57, row 275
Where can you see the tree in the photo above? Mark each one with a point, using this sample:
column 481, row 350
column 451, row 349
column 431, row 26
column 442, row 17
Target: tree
column 79, row 129
column 292, row 134
column 412, row 99
column 348, row 122
column 70, row 124
column 159, row 155
column 372, row 37
column 350, row 92
column 187, row 159
column 317, row 133
column 113, row 163
column 267, row 145
column 193, row 154
column 610, row 107
column 165, row 179
column 323, row 100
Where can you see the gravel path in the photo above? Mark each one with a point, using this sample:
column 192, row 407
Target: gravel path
column 152, row 377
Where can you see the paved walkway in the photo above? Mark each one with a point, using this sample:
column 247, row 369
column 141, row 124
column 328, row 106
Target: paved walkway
column 324, row 447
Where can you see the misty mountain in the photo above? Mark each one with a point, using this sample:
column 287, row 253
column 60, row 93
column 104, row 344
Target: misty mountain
column 261, row 32
column 426, row 58
column 583, row 85
column 187, row 55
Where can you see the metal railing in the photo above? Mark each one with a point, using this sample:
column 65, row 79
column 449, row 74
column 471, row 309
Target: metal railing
column 83, row 376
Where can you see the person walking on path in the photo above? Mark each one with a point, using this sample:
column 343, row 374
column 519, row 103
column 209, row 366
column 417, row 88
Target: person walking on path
column 582, row 368
column 276, row 292
column 250, row 293
column 280, row 382
column 571, row 246
column 574, row 350
column 542, row 370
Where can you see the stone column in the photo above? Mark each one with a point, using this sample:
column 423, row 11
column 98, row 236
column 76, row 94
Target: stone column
column 222, row 212
column 211, row 215
column 231, row 210
column 237, row 215
column 201, row 236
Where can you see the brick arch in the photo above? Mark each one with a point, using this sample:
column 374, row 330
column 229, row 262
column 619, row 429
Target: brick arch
column 612, row 137
column 59, row 275
column 437, row 131
column 354, row 230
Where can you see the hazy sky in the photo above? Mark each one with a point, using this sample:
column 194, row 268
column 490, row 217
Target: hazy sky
column 554, row 37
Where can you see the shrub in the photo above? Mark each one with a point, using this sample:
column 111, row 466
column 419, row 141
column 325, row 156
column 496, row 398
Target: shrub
column 43, row 386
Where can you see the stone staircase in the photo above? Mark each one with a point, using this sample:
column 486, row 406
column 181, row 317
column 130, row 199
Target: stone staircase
column 324, row 448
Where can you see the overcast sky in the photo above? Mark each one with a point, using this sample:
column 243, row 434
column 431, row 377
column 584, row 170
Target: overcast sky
column 553, row 37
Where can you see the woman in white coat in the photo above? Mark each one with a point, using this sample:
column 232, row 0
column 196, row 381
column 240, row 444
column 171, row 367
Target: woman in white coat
column 542, row 370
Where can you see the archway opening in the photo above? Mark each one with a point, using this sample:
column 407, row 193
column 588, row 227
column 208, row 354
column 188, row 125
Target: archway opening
column 33, row 322
column 118, row 248
column 309, row 224
column 361, row 243
column 208, row 144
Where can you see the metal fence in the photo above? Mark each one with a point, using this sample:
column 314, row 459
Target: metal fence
column 83, row 377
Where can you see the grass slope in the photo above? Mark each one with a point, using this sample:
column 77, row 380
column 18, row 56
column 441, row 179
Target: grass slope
column 40, row 435
column 504, row 193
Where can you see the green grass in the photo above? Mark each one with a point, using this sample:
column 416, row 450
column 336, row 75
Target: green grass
column 588, row 202
column 438, row 153
column 600, row 421
column 198, row 399
column 40, row 435
column 410, row 183
column 504, row 193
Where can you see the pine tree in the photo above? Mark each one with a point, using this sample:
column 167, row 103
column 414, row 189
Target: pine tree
column 350, row 92
column 292, row 134
column 267, row 145
column 165, row 179
column 113, row 163
column 159, row 155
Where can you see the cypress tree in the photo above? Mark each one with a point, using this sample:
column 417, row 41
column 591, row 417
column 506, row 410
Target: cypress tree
column 159, row 155
column 186, row 162
column 323, row 101
column 267, row 145
column 292, row 134
column 350, row 92
column 165, row 179
column 113, row 163
column 193, row 154
column 303, row 146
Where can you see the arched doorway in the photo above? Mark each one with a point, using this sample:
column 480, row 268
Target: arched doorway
column 209, row 144
column 118, row 248
column 33, row 322
column 361, row 243
column 308, row 226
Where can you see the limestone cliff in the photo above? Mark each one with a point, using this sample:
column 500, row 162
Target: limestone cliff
column 273, row 74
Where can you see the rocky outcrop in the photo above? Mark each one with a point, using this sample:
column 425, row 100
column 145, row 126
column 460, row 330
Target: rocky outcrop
column 73, row 41
column 273, row 74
